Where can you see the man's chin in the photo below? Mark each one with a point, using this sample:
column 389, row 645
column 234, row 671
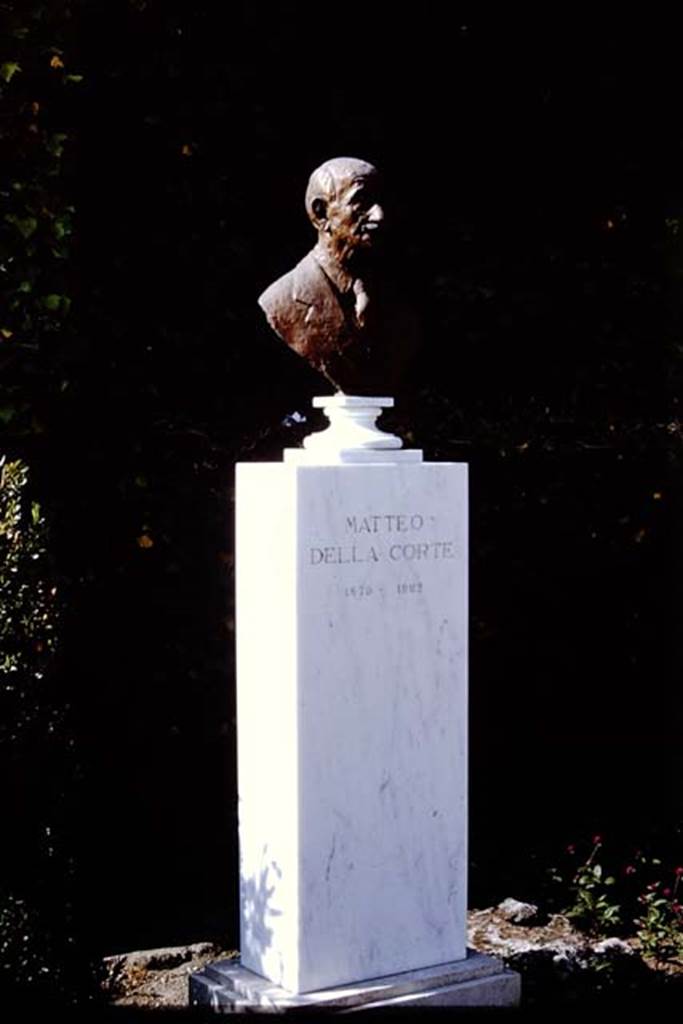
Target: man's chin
column 363, row 250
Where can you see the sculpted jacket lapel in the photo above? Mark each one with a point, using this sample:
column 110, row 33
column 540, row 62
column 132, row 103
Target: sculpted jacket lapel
column 321, row 312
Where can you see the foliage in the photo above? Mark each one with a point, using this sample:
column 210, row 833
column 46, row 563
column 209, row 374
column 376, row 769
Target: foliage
column 660, row 922
column 593, row 908
column 27, row 959
column 38, row 86
column 28, row 599
column 36, row 207
column 37, row 945
column 635, row 900
column 593, row 905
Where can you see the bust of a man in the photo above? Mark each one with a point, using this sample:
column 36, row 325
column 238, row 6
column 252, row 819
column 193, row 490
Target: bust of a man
column 335, row 308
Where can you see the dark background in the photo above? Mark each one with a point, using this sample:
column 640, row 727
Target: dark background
column 535, row 165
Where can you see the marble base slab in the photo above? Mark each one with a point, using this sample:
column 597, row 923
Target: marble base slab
column 480, row 981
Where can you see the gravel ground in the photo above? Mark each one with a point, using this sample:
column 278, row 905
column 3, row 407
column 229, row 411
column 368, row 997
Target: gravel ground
column 559, row 965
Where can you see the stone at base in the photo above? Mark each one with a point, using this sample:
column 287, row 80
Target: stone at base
column 480, row 980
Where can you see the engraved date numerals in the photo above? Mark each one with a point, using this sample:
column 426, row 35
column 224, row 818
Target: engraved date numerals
column 408, row 588
column 360, row 590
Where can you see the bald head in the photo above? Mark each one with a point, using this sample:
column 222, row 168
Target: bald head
column 328, row 180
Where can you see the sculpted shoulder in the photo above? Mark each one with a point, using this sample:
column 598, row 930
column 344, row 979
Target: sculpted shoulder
column 294, row 286
column 300, row 306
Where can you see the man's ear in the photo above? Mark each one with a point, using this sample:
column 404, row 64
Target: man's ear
column 319, row 208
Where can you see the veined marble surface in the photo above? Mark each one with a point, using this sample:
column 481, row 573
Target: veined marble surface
column 352, row 719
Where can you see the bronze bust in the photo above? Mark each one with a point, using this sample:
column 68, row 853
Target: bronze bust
column 335, row 308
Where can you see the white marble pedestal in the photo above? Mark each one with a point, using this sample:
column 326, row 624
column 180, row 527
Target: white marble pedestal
column 351, row 713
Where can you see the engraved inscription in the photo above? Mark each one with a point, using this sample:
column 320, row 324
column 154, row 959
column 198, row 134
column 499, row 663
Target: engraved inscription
column 392, row 550
column 419, row 552
column 390, row 523
column 351, row 555
column 361, row 590
column 409, row 588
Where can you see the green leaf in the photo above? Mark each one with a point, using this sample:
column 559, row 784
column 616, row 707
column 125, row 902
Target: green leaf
column 55, row 145
column 56, row 303
column 73, row 78
column 26, row 226
column 62, row 227
column 8, row 70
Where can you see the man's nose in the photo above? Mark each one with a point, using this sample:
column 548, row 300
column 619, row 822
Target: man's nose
column 376, row 214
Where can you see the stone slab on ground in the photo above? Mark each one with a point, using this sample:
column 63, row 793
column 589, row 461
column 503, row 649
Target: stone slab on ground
column 480, row 980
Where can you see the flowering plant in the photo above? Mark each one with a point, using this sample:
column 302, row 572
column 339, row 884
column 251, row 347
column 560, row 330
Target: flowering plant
column 641, row 899
column 594, row 907
column 660, row 922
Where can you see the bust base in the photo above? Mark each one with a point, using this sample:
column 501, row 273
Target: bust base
column 352, row 429
column 349, row 456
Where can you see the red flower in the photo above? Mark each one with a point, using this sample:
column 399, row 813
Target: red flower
column 666, row 892
column 679, row 872
column 571, row 849
column 676, row 907
column 629, row 869
column 597, row 840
